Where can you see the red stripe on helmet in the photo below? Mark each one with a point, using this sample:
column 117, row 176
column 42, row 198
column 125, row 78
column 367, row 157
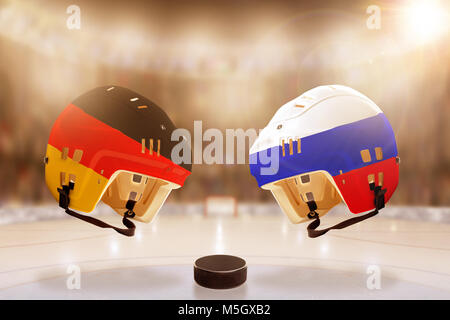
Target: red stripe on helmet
column 354, row 185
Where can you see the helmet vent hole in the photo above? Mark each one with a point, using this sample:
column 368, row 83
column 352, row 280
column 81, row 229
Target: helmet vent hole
column 365, row 155
column 62, row 177
column 134, row 99
column 279, row 126
column 163, row 127
column 305, row 178
column 380, row 178
column 379, row 153
column 64, row 153
column 137, row 178
column 110, row 89
column 132, row 196
column 142, row 145
column 77, row 155
column 142, row 107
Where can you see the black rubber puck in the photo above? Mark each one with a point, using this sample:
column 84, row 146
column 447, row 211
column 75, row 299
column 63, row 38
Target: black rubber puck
column 220, row 271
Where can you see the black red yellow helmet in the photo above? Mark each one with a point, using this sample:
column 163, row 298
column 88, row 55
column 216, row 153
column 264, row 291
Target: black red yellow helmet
column 114, row 145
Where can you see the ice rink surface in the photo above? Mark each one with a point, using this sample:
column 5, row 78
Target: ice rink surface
column 412, row 256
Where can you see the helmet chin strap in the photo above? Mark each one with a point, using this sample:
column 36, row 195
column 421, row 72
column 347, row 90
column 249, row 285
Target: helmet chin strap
column 312, row 227
column 64, row 201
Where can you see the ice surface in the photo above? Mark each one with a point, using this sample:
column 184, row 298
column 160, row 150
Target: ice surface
column 19, row 214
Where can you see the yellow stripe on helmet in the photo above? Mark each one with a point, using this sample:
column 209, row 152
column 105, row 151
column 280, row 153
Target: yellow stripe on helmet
column 89, row 185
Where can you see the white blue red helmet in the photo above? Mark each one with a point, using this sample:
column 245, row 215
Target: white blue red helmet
column 331, row 144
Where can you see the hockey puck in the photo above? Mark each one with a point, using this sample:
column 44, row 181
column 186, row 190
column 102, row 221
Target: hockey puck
column 220, row 271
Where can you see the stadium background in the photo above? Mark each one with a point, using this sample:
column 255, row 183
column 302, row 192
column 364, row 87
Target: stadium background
column 230, row 64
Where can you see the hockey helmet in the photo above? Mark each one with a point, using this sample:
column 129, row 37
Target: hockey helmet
column 114, row 145
column 332, row 144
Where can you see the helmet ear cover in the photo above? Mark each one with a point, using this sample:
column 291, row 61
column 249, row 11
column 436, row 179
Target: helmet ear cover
column 293, row 194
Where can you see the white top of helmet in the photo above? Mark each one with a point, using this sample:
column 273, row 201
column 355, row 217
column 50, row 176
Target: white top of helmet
column 316, row 110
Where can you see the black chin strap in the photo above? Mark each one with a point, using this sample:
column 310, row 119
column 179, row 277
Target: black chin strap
column 313, row 233
column 64, row 202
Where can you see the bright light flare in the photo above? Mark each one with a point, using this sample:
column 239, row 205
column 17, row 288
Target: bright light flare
column 425, row 21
